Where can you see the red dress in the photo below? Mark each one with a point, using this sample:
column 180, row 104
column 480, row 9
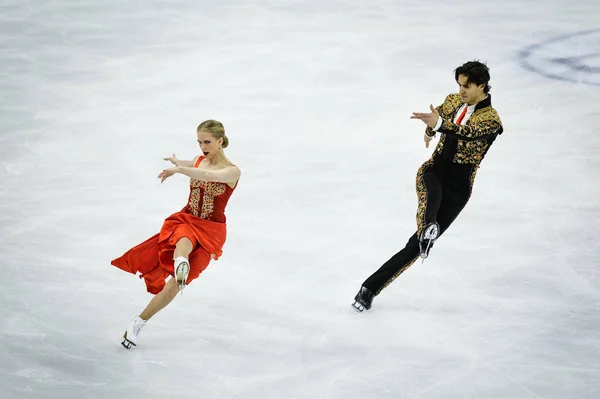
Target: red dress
column 202, row 221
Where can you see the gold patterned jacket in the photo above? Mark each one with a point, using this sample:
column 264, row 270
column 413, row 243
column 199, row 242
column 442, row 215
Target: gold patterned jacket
column 466, row 144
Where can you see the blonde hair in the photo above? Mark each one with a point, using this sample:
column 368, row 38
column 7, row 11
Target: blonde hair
column 216, row 129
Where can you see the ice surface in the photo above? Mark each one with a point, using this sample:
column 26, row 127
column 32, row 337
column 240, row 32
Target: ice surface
column 316, row 98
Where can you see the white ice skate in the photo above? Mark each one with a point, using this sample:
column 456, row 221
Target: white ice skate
column 182, row 269
column 133, row 331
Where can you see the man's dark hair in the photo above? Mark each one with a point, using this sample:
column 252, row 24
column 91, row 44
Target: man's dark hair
column 476, row 72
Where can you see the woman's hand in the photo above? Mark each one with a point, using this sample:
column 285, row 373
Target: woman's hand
column 167, row 173
column 173, row 160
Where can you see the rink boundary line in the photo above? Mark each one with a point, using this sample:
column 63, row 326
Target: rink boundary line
column 526, row 53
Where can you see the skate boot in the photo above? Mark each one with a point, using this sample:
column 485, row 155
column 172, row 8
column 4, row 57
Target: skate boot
column 182, row 269
column 428, row 236
column 363, row 300
column 133, row 331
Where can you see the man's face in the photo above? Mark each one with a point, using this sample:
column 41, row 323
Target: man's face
column 470, row 93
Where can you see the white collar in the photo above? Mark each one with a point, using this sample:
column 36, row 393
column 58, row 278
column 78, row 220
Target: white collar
column 470, row 108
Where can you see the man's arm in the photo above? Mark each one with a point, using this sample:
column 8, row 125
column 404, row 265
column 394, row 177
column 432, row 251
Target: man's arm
column 431, row 131
column 479, row 127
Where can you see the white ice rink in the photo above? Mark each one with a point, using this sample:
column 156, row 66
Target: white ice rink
column 316, row 97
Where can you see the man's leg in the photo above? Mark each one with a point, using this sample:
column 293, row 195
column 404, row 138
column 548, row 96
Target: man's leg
column 434, row 192
column 387, row 273
column 428, row 229
column 393, row 267
column 429, row 194
column 450, row 208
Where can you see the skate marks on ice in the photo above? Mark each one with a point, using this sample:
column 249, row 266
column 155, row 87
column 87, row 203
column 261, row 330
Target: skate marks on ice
column 42, row 361
column 571, row 58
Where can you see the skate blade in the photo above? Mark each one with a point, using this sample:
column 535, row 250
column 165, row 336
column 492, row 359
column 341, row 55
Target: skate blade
column 126, row 343
column 358, row 307
column 425, row 252
column 181, row 275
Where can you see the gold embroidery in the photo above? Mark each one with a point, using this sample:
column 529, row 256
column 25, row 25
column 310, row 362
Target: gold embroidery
column 211, row 190
column 472, row 180
column 195, row 201
column 208, row 191
column 485, row 120
column 422, row 196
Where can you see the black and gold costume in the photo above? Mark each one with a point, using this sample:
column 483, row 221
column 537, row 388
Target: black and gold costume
column 445, row 181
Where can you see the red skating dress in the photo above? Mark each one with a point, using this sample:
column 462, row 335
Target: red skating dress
column 202, row 221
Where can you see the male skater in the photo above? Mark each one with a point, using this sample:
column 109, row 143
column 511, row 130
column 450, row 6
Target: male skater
column 468, row 125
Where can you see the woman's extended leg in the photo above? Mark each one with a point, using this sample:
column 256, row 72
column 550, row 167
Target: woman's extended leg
column 182, row 248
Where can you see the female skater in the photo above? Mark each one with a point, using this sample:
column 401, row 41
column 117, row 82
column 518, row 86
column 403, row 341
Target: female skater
column 190, row 238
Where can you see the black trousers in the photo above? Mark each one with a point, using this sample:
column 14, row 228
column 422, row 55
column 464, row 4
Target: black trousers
column 443, row 189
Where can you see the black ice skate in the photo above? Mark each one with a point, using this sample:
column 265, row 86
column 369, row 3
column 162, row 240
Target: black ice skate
column 363, row 300
column 428, row 236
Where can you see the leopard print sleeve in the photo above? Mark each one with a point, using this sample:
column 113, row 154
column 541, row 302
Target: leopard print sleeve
column 483, row 124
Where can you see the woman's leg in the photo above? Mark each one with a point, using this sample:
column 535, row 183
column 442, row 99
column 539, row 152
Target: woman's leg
column 160, row 300
column 183, row 248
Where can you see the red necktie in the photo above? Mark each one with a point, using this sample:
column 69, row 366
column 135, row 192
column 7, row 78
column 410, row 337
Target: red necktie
column 462, row 115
